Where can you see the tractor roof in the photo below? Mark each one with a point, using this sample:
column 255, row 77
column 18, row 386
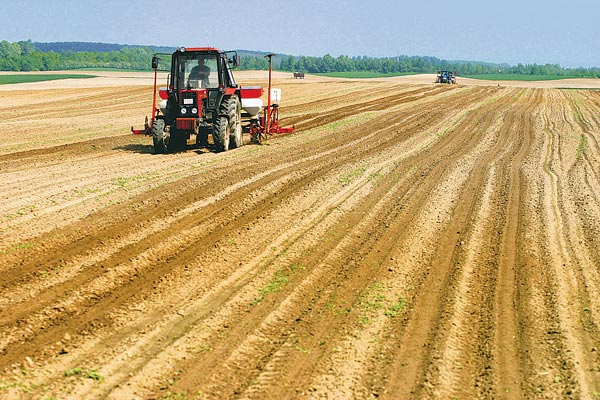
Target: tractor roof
column 197, row 50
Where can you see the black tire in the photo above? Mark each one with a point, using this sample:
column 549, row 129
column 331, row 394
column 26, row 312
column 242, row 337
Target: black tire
column 177, row 140
column 222, row 132
column 202, row 137
column 235, row 122
column 158, row 137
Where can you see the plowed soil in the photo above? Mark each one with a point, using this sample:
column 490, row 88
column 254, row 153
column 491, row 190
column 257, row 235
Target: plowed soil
column 408, row 241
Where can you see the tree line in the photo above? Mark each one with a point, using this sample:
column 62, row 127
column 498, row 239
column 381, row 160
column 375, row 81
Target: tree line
column 27, row 56
column 417, row 64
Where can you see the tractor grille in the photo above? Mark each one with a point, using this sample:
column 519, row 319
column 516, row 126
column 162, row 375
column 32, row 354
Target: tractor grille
column 189, row 98
column 186, row 124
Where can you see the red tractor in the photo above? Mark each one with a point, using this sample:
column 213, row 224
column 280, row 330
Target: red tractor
column 203, row 99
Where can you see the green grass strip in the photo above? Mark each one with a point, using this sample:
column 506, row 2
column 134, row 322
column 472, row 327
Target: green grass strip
column 26, row 78
column 516, row 77
column 107, row 69
column 363, row 74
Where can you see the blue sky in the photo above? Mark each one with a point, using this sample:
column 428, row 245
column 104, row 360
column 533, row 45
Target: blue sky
column 565, row 32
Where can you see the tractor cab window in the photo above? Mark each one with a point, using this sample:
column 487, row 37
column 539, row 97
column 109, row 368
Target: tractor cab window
column 200, row 71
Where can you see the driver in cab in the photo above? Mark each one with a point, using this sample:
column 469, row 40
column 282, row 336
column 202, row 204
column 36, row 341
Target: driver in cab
column 200, row 73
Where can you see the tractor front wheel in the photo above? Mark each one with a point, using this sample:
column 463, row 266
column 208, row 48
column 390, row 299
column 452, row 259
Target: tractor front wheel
column 158, row 136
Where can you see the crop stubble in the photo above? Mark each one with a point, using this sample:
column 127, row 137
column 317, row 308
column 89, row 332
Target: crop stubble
column 409, row 241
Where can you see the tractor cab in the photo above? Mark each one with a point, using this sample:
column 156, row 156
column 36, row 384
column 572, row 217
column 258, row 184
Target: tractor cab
column 205, row 68
column 199, row 78
column 198, row 71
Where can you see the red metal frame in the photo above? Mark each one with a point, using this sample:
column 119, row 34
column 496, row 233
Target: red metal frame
column 148, row 127
column 258, row 132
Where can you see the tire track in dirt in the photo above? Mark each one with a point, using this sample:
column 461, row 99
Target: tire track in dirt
column 64, row 254
column 329, row 97
column 465, row 332
column 576, row 286
column 397, row 247
column 408, row 369
column 286, row 368
column 56, row 117
column 318, row 118
column 479, row 326
column 546, row 358
column 508, row 347
column 556, row 347
column 399, row 295
column 167, row 166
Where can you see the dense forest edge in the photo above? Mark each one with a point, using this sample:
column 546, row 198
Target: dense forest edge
column 60, row 56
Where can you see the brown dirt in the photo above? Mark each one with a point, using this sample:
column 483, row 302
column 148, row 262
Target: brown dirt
column 407, row 241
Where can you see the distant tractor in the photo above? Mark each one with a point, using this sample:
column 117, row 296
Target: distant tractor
column 201, row 99
column 448, row 77
column 298, row 75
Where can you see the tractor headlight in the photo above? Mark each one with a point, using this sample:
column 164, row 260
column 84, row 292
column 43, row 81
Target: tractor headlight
column 194, row 110
column 183, row 110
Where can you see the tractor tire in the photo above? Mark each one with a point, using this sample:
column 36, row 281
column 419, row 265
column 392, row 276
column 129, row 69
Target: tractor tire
column 221, row 134
column 235, row 122
column 158, row 136
column 224, row 122
column 202, row 137
column 177, row 140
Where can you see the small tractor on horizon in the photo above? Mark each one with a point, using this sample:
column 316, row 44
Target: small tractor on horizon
column 444, row 76
column 202, row 99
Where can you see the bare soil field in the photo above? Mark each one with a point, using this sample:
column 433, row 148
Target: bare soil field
column 408, row 241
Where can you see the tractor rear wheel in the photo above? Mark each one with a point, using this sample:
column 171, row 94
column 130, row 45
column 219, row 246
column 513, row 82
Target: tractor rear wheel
column 221, row 134
column 228, row 125
column 235, row 122
column 158, row 138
